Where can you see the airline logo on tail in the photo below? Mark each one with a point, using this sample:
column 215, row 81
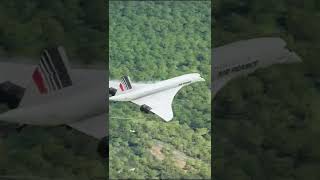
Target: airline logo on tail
column 125, row 83
column 51, row 74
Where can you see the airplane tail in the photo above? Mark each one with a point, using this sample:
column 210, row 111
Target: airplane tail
column 51, row 75
column 125, row 84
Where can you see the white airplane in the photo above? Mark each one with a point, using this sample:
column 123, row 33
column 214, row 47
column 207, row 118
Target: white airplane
column 152, row 97
column 245, row 57
column 51, row 93
column 229, row 61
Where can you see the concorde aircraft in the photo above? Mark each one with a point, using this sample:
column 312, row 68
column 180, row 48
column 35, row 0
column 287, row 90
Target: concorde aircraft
column 229, row 61
column 154, row 97
column 244, row 57
column 51, row 93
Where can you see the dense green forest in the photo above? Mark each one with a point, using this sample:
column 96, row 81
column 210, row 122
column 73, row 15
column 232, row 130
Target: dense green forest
column 271, row 134
column 152, row 41
column 267, row 124
column 26, row 27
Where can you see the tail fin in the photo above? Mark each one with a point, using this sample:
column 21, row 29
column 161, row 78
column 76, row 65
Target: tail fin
column 125, row 84
column 52, row 74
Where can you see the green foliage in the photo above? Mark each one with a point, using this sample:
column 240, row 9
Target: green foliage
column 50, row 153
column 152, row 41
column 26, row 27
column 267, row 124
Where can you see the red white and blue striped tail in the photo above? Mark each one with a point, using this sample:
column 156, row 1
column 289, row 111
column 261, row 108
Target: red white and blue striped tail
column 52, row 73
column 125, row 84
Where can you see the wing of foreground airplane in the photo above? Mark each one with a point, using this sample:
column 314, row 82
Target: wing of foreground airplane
column 161, row 103
column 95, row 126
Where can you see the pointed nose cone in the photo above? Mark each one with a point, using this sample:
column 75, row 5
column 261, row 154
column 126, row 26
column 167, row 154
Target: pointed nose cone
column 294, row 58
column 291, row 57
column 201, row 79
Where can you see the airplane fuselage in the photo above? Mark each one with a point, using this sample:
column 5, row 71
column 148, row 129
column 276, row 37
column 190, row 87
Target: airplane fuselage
column 72, row 105
column 245, row 57
column 67, row 106
column 149, row 89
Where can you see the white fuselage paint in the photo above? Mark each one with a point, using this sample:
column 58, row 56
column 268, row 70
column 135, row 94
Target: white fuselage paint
column 76, row 103
column 149, row 89
column 73, row 105
column 250, row 55
column 245, row 57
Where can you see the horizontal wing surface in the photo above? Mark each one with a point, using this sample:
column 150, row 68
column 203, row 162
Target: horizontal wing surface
column 95, row 127
column 161, row 103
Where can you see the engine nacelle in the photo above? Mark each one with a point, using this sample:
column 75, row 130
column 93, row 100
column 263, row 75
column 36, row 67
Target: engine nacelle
column 11, row 94
column 146, row 109
column 112, row 91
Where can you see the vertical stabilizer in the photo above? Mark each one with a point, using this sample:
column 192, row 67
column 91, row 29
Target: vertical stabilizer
column 50, row 76
column 125, row 84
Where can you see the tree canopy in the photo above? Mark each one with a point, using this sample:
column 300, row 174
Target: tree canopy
column 26, row 28
column 266, row 124
column 152, row 41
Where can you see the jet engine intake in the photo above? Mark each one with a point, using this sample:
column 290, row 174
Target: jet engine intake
column 146, row 109
column 11, row 94
column 112, row 91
